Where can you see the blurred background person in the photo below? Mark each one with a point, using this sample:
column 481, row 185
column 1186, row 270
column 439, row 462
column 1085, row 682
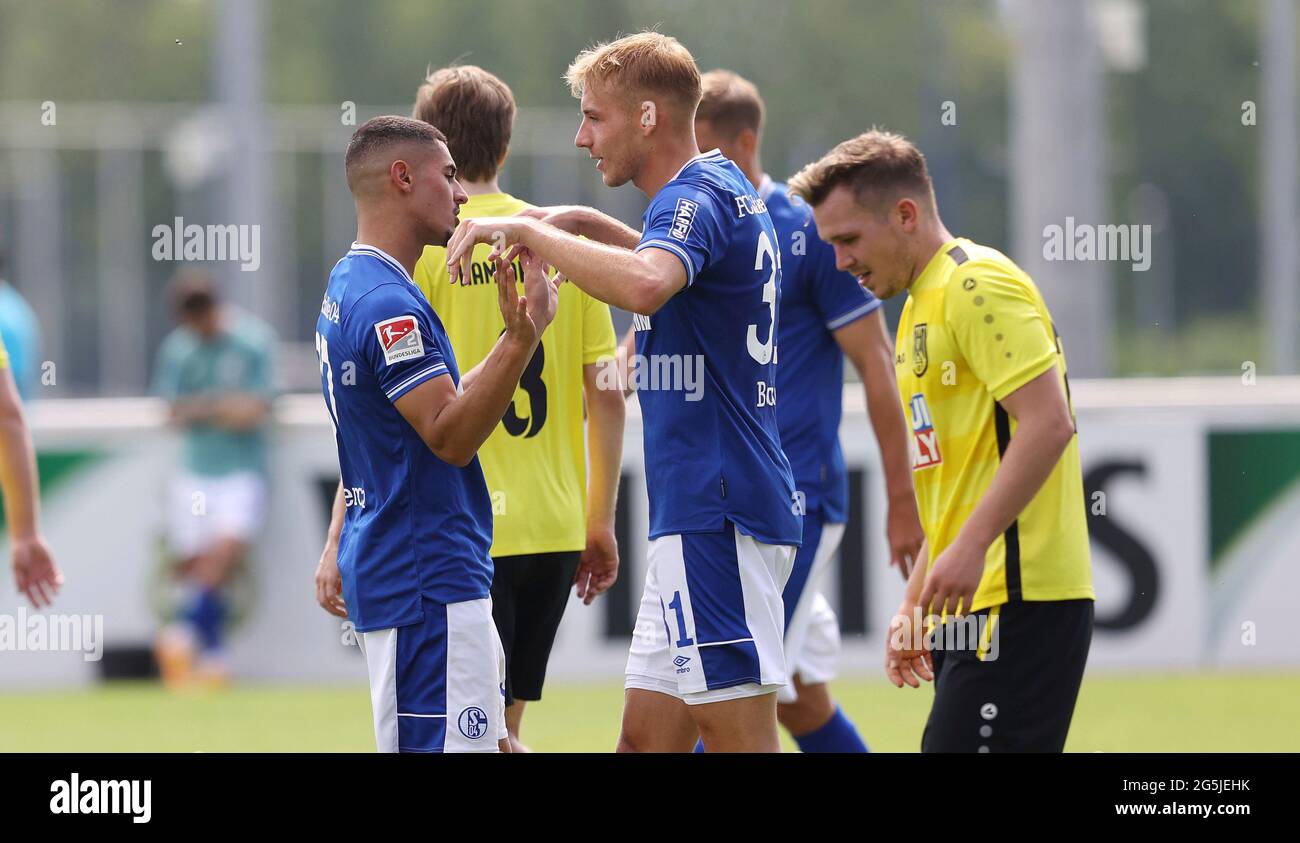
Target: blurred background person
column 20, row 332
column 214, row 370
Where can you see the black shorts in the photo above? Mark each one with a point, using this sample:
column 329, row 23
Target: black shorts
column 529, row 594
column 1022, row 700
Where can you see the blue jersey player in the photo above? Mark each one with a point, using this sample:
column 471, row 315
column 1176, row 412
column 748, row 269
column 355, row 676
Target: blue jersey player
column 825, row 315
column 413, row 570
column 703, row 278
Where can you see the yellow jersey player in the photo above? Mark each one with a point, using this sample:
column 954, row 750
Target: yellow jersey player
column 995, row 458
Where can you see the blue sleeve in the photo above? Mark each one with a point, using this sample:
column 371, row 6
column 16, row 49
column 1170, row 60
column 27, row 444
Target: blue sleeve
column 687, row 221
column 837, row 295
column 391, row 330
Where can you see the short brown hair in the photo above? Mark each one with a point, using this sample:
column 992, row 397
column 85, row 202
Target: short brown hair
column 876, row 165
column 379, row 133
column 648, row 62
column 731, row 103
column 476, row 110
column 194, row 293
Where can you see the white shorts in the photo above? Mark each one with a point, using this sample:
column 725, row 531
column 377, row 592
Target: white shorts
column 438, row 685
column 711, row 619
column 205, row 510
column 812, row 636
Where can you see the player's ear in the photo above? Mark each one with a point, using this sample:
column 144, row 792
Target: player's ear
column 907, row 213
column 648, row 117
column 400, row 172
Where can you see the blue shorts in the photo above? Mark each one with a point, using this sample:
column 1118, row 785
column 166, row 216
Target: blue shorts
column 438, row 685
column 711, row 619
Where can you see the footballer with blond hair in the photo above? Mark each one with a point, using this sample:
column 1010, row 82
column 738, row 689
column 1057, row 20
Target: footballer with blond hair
column 825, row 316
column 703, row 278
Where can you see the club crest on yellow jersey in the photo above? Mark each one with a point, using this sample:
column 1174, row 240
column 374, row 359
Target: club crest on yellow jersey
column 920, row 358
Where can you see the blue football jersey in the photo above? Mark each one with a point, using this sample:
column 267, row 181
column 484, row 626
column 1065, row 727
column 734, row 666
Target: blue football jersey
column 816, row 300
column 415, row 525
column 707, row 374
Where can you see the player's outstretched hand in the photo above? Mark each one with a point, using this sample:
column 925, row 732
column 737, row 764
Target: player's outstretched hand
column 907, row 662
column 953, row 579
column 329, row 585
column 35, row 573
column 501, row 232
column 597, row 566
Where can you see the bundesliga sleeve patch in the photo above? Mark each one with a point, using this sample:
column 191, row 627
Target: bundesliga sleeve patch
column 683, row 216
column 400, row 338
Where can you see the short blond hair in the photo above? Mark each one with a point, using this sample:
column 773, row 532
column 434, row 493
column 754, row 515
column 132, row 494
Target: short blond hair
column 647, row 62
column 876, row 165
column 730, row 103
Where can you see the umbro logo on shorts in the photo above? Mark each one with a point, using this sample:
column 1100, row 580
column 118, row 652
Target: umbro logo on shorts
column 681, row 661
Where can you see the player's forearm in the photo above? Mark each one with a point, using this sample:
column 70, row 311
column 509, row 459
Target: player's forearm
column 335, row 530
column 465, row 424
column 627, row 362
column 916, row 579
column 886, row 414
column 606, row 414
column 1029, row 460
column 611, row 274
column 18, row 474
column 594, row 225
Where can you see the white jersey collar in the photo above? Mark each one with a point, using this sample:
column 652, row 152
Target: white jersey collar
column 712, row 153
column 375, row 251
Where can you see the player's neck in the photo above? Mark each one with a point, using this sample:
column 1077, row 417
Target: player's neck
column 391, row 237
column 664, row 162
column 933, row 238
column 480, row 188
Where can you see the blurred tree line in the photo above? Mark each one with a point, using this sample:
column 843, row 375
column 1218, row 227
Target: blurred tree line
column 1177, row 154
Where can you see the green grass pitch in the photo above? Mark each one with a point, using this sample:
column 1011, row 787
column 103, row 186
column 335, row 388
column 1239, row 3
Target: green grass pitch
column 1209, row 712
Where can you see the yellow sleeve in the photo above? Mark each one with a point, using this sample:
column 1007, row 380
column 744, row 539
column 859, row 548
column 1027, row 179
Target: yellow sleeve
column 431, row 272
column 4, row 355
column 999, row 327
column 597, row 330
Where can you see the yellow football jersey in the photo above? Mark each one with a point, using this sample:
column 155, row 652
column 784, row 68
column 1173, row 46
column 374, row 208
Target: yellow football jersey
column 535, row 461
column 974, row 330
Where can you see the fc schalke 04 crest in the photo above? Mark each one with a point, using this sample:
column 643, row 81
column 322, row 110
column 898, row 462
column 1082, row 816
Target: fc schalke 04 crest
column 920, row 359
